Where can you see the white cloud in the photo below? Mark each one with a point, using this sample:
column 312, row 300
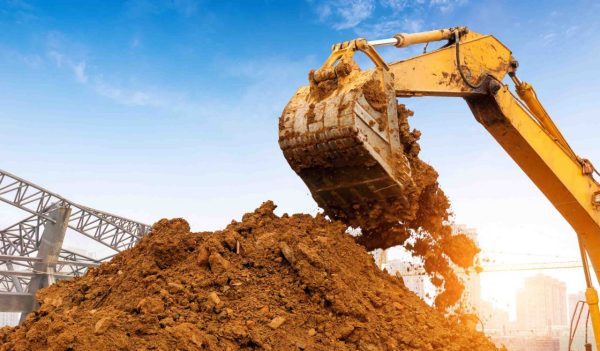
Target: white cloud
column 31, row 60
column 154, row 98
column 389, row 27
column 175, row 103
column 323, row 11
column 395, row 5
column 446, row 5
column 549, row 38
column 145, row 97
column 413, row 25
column 135, row 42
column 125, row 97
column 63, row 61
column 57, row 57
column 369, row 16
column 344, row 14
column 68, row 56
column 267, row 82
column 19, row 10
column 270, row 83
column 572, row 30
column 353, row 12
column 79, row 71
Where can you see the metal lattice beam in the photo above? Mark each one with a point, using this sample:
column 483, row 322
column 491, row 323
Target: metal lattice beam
column 16, row 271
column 113, row 231
column 23, row 267
column 8, row 283
column 22, row 238
column 19, row 244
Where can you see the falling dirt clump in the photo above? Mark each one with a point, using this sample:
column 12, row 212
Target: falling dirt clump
column 265, row 283
column 423, row 229
column 460, row 249
column 434, row 241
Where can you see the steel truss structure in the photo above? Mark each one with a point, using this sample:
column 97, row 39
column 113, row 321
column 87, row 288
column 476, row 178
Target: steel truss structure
column 31, row 252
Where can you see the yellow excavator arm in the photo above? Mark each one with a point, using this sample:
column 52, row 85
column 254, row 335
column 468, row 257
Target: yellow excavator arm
column 520, row 124
column 342, row 145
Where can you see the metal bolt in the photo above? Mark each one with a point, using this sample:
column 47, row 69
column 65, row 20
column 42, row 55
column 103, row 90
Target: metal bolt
column 596, row 198
column 494, row 86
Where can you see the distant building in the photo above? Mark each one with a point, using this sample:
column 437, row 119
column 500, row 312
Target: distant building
column 415, row 278
column 528, row 343
column 380, row 257
column 496, row 321
column 471, row 298
column 412, row 276
column 542, row 304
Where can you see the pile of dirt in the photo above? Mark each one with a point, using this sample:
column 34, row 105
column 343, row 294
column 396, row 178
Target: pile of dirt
column 266, row 283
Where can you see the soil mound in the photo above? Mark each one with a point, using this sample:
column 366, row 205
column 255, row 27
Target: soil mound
column 265, row 283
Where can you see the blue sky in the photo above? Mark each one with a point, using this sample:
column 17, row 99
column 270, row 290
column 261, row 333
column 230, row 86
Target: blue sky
column 154, row 109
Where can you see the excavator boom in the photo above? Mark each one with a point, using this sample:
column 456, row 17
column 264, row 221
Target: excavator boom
column 341, row 135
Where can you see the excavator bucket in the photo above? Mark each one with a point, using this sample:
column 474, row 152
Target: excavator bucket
column 341, row 136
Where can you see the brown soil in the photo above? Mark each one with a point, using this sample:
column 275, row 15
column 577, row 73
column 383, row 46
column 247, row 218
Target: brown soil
column 422, row 228
column 378, row 99
column 265, row 283
column 433, row 240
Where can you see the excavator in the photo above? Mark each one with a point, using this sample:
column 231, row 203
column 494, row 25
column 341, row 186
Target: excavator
column 340, row 133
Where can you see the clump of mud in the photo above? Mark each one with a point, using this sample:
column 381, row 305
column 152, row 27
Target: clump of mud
column 265, row 283
column 427, row 231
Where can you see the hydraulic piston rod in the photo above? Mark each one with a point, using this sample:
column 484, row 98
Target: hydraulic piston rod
column 402, row 40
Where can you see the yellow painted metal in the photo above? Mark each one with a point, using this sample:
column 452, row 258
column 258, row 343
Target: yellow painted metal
column 436, row 73
column 528, row 95
column 346, row 50
column 407, row 39
column 547, row 163
column 531, row 139
column 591, row 298
column 591, row 295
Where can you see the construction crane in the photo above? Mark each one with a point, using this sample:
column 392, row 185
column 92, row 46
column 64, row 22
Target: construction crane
column 345, row 145
column 31, row 252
